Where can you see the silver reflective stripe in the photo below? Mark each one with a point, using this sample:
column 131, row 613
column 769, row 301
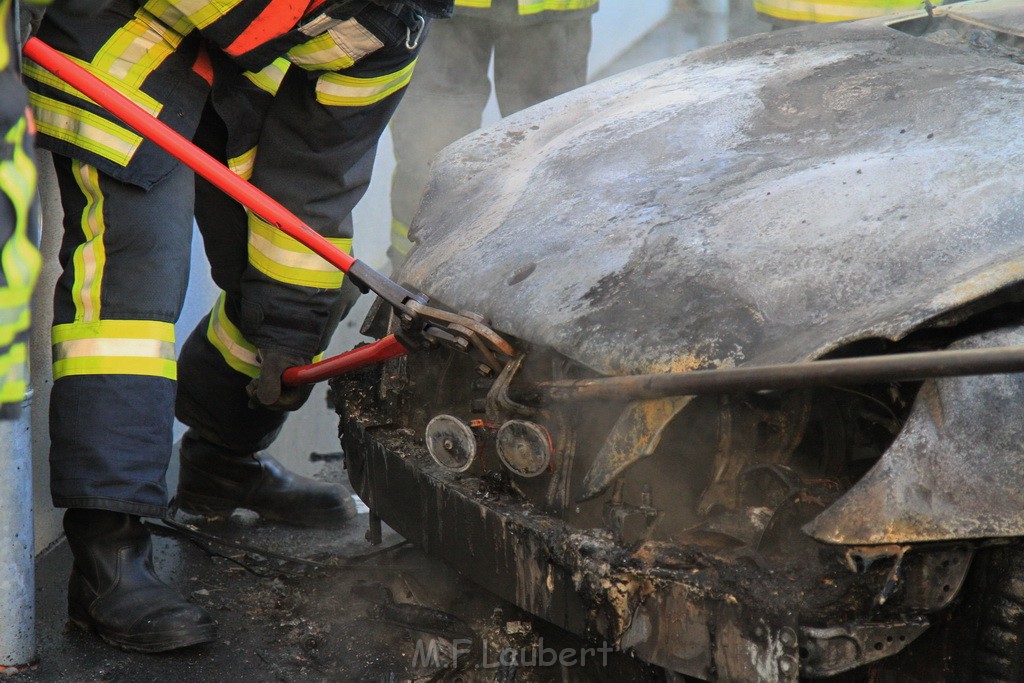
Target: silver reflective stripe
column 229, row 337
column 113, row 347
column 319, row 25
column 349, row 42
column 288, row 258
column 234, row 348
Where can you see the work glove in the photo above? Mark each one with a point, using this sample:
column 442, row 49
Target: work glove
column 268, row 391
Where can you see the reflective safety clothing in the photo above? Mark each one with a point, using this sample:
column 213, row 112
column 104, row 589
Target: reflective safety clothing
column 782, row 12
column 160, row 59
column 533, row 62
column 304, row 129
column 525, row 11
column 19, row 260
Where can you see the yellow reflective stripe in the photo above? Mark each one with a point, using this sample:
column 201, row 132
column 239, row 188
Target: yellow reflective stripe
column 243, row 163
column 90, row 257
column 238, row 353
column 184, row 15
column 137, row 49
column 527, row 7
column 400, row 237
column 321, row 53
column 41, row 75
column 18, row 172
column 5, row 50
column 339, row 48
column 14, row 374
column 879, row 7
column 284, row 259
column 152, row 367
column 269, row 78
column 833, row 10
column 114, row 347
column 13, row 315
column 113, row 329
column 479, row 4
column 19, row 258
column 14, row 321
column 14, row 297
column 127, row 348
column 348, row 91
column 84, row 129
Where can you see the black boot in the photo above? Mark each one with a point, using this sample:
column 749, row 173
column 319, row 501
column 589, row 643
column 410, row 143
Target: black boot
column 215, row 481
column 115, row 591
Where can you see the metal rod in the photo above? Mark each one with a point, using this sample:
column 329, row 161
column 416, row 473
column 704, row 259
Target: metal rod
column 865, row 370
column 17, row 542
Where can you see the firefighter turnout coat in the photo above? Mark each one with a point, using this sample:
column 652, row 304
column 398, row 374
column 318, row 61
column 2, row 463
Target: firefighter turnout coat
column 292, row 95
column 528, row 11
column 19, row 260
column 783, row 12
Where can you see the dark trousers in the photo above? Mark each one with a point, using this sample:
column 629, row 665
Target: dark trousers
column 126, row 258
column 532, row 63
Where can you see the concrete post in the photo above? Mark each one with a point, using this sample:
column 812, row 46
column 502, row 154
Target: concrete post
column 17, row 543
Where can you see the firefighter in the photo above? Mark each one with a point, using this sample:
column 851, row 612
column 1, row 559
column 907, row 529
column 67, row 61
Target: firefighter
column 786, row 13
column 19, row 260
column 292, row 99
column 540, row 50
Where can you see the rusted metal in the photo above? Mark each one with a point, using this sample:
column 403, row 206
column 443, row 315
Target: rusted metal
column 753, row 436
column 524, row 447
column 671, row 524
column 581, row 581
column 451, row 443
column 462, row 332
column 902, row 367
column 635, row 436
column 834, row 649
column 704, row 610
column 954, row 471
column 751, row 203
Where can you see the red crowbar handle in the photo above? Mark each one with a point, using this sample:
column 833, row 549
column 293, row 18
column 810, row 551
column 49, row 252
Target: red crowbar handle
column 387, row 348
column 418, row 320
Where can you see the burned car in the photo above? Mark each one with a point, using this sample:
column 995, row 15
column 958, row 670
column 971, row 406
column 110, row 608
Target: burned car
column 826, row 193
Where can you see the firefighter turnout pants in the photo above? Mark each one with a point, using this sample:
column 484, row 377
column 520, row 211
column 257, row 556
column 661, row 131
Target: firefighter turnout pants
column 126, row 254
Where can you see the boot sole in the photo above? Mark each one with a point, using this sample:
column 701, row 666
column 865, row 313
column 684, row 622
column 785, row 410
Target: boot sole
column 208, row 506
column 149, row 643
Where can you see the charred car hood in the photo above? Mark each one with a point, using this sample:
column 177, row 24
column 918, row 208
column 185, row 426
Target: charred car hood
column 765, row 201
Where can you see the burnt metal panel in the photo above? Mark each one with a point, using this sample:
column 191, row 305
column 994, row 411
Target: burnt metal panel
column 701, row 612
column 954, row 471
column 997, row 15
column 768, row 200
column 581, row 580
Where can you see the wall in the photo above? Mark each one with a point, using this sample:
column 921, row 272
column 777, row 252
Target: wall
column 619, row 24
